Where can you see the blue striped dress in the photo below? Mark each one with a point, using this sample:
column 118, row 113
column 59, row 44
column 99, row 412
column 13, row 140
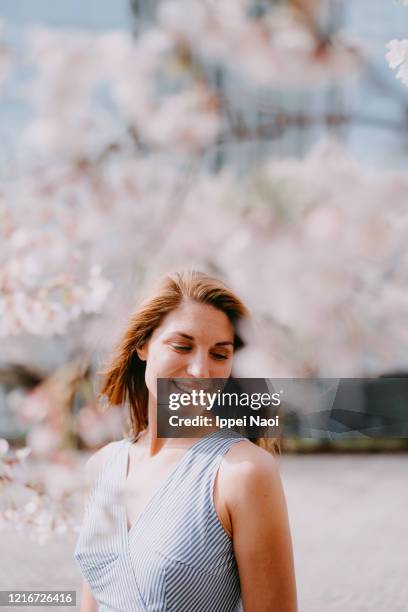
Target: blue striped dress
column 176, row 557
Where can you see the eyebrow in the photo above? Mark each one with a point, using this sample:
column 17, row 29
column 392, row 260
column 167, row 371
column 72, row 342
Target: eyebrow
column 225, row 343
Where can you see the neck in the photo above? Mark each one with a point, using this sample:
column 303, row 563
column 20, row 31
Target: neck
column 154, row 444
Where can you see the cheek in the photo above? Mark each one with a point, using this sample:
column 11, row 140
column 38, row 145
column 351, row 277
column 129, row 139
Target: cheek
column 161, row 362
column 223, row 368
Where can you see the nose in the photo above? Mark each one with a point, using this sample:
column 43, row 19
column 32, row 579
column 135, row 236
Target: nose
column 198, row 365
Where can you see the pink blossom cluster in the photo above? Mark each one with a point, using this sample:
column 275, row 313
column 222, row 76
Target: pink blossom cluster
column 114, row 187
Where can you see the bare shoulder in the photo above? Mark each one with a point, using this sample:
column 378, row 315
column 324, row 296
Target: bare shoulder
column 259, row 525
column 247, row 459
column 96, row 462
column 245, row 470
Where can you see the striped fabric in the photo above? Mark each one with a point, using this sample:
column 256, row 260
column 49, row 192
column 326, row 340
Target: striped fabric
column 176, row 557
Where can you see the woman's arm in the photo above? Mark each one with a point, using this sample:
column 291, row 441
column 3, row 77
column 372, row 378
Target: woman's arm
column 261, row 534
column 88, row 601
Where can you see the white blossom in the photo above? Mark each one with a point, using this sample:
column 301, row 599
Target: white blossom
column 114, row 189
column 397, row 57
column 4, row 446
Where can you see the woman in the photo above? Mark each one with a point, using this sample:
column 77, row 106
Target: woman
column 204, row 525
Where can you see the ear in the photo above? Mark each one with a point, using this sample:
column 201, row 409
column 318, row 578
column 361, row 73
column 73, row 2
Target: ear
column 142, row 352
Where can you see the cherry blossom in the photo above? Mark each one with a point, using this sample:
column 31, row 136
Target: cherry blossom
column 397, row 57
column 116, row 185
column 258, row 45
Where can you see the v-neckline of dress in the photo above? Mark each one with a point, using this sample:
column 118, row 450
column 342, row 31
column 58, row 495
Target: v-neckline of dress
column 162, row 485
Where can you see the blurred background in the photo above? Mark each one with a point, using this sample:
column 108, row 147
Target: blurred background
column 263, row 142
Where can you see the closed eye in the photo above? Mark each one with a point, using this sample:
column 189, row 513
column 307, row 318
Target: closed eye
column 181, row 347
column 218, row 356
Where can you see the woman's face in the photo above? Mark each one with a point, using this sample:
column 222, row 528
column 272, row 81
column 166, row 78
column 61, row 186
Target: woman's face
column 193, row 341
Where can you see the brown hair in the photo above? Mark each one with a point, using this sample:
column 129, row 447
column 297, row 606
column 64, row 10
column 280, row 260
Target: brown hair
column 124, row 380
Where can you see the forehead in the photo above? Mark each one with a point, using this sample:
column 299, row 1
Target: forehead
column 197, row 320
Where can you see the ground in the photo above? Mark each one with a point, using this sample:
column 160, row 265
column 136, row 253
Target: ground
column 349, row 528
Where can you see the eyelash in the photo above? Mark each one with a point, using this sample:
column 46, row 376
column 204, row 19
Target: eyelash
column 187, row 348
